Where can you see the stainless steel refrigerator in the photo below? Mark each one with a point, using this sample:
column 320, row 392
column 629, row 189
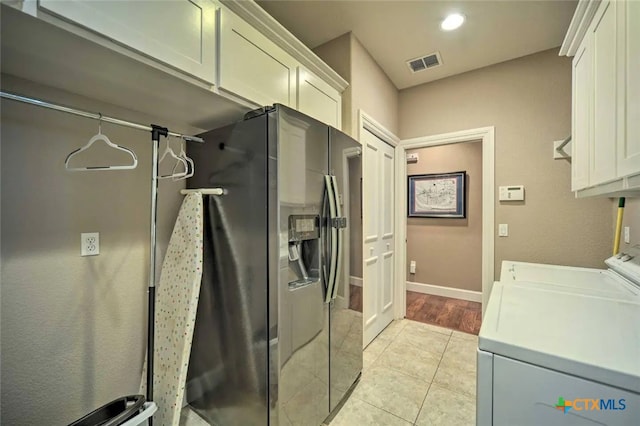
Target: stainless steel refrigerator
column 278, row 334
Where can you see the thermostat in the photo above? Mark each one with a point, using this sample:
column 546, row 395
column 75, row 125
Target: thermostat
column 512, row 193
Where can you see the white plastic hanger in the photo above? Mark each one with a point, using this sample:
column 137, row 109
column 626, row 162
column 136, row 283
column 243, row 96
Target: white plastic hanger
column 179, row 160
column 190, row 165
column 105, row 139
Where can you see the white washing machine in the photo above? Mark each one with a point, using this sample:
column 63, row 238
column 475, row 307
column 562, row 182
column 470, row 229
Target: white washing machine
column 564, row 350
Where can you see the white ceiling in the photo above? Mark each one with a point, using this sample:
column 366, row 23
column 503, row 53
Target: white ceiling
column 395, row 31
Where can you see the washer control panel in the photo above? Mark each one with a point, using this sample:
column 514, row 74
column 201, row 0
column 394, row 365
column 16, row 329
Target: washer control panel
column 627, row 264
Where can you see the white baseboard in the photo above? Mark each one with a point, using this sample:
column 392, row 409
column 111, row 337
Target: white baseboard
column 436, row 290
column 357, row 281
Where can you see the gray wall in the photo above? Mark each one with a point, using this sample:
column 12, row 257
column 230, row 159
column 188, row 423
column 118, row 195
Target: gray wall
column 369, row 87
column 73, row 328
column 433, row 242
column 528, row 100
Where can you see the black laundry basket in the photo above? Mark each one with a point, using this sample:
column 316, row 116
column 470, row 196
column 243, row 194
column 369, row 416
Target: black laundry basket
column 114, row 413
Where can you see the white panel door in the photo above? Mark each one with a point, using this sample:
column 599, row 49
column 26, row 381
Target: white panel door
column 378, row 219
column 179, row 33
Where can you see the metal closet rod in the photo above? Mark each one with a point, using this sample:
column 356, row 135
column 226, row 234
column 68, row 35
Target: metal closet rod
column 92, row 115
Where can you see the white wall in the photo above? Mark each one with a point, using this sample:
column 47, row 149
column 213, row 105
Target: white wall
column 73, row 328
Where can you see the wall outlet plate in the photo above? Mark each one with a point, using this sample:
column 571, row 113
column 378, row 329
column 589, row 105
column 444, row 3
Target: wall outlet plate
column 503, row 230
column 89, row 244
column 627, row 234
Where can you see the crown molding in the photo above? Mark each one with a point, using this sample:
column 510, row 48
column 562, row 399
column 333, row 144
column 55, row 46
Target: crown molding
column 581, row 20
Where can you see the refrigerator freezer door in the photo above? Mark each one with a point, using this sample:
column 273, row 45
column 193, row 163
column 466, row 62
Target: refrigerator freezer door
column 303, row 315
column 226, row 380
column 346, row 304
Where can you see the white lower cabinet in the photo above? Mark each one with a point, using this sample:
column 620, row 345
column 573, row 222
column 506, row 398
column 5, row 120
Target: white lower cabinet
column 181, row 33
column 252, row 66
column 317, row 99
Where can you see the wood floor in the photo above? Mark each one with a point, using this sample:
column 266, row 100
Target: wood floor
column 456, row 314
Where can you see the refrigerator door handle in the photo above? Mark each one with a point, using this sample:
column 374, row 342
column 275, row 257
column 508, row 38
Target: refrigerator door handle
column 333, row 232
column 339, row 228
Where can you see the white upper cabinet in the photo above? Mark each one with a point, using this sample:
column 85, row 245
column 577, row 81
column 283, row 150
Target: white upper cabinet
column 180, row 34
column 252, row 66
column 581, row 116
column 602, row 155
column 228, row 55
column 317, row 99
column 604, row 38
column 629, row 90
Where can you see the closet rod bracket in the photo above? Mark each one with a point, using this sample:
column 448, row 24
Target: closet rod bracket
column 157, row 131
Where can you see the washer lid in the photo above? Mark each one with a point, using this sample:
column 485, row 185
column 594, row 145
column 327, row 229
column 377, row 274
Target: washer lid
column 587, row 336
column 596, row 282
column 627, row 264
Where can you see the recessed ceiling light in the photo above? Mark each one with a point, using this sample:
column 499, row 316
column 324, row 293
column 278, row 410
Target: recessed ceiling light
column 452, row 22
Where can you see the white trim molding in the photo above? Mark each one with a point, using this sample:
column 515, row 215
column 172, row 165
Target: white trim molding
column 366, row 122
column 585, row 11
column 357, row 281
column 487, row 136
column 437, row 290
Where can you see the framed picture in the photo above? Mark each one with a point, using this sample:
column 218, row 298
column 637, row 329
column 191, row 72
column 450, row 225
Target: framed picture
column 437, row 195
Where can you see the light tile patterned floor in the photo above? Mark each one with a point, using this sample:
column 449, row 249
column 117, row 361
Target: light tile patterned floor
column 415, row 374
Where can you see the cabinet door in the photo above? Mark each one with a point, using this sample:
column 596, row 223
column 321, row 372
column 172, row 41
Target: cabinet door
column 178, row 33
column 629, row 143
column 252, row 66
column 602, row 156
column 581, row 119
column 317, row 99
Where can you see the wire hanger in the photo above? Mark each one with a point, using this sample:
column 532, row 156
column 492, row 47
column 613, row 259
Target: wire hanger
column 101, row 137
column 179, row 160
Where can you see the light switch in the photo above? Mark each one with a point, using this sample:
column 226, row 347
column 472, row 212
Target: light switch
column 627, row 234
column 503, row 230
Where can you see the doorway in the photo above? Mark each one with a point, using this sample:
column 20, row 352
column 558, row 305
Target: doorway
column 444, row 228
column 486, row 136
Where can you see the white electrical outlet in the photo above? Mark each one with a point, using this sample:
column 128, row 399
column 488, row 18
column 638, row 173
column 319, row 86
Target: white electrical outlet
column 89, row 244
column 627, row 234
column 503, row 230
column 412, row 267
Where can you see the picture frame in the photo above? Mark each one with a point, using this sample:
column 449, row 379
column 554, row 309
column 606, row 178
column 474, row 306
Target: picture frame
column 437, row 195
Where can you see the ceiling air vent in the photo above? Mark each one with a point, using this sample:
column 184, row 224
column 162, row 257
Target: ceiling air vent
column 420, row 64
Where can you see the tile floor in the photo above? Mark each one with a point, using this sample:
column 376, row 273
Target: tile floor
column 415, row 374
